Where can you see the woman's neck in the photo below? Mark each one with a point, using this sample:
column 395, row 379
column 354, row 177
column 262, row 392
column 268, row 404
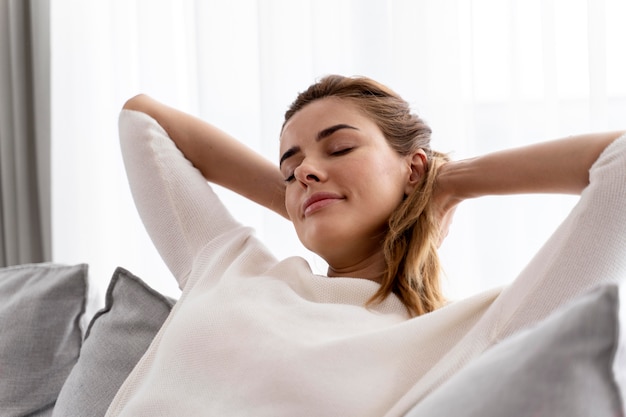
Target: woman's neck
column 370, row 267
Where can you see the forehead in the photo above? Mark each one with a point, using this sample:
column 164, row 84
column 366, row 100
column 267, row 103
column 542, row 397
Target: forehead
column 321, row 114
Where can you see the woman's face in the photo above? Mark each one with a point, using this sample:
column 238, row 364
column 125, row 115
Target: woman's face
column 343, row 180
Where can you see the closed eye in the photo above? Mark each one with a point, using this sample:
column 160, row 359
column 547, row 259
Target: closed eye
column 341, row 151
column 290, row 178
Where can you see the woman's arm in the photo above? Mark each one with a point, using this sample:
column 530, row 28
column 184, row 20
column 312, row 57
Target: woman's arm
column 558, row 166
column 220, row 158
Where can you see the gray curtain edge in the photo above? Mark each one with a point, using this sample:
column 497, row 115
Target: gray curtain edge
column 40, row 35
column 25, row 220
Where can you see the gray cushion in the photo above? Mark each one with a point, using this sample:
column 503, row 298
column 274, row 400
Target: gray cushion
column 117, row 337
column 561, row 367
column 40, row 336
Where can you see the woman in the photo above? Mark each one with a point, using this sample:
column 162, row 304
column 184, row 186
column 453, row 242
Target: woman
column 252, row 335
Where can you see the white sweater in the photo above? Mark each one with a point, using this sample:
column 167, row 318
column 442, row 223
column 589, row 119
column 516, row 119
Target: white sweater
column 255, row 336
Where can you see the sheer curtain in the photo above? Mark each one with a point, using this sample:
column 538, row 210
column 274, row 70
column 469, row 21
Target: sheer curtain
column 486, row 75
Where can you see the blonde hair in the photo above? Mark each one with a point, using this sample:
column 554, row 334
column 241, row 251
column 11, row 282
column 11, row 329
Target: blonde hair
column 410, row 245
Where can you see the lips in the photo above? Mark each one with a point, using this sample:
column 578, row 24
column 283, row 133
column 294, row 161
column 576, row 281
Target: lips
column 318, row 201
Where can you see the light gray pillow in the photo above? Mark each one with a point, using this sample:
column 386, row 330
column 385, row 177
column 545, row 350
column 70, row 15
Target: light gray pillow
column 563, row 366
column 40, row 336
column 117, row 337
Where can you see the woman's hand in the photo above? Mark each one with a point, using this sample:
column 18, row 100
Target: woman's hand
column 445, row 199
column 557, row 166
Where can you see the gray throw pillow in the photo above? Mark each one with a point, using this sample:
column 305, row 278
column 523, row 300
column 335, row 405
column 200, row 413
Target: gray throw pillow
column 40, row 335
column 117, row 337
column 563, row 366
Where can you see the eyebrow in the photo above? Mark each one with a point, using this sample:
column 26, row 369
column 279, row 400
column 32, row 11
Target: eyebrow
column 321, row 135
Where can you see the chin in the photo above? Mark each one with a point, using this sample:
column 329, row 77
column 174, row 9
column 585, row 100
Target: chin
column 331, row 239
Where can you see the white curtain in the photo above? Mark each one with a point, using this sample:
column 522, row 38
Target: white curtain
column 485, row 74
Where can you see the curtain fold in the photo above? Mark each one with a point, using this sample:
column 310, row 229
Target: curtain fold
column 25, row 223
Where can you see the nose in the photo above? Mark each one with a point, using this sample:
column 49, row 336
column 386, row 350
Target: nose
column 309, row 172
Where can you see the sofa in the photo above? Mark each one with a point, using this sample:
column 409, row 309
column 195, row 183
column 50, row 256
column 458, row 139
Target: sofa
column 571, row 364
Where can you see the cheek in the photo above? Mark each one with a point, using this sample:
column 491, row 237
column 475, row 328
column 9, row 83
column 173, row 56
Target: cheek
column 291, row 204
column 382, row 177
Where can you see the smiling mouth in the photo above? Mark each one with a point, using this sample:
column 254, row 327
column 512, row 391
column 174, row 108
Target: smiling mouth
column 319, row 201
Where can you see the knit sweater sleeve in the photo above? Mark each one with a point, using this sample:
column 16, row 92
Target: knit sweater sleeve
column 587, row 249
column 180, row 211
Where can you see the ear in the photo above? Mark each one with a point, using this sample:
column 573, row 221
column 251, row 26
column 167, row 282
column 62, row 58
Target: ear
column 418, row 165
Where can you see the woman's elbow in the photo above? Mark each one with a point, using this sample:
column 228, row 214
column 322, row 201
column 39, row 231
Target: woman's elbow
column 137, row 102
